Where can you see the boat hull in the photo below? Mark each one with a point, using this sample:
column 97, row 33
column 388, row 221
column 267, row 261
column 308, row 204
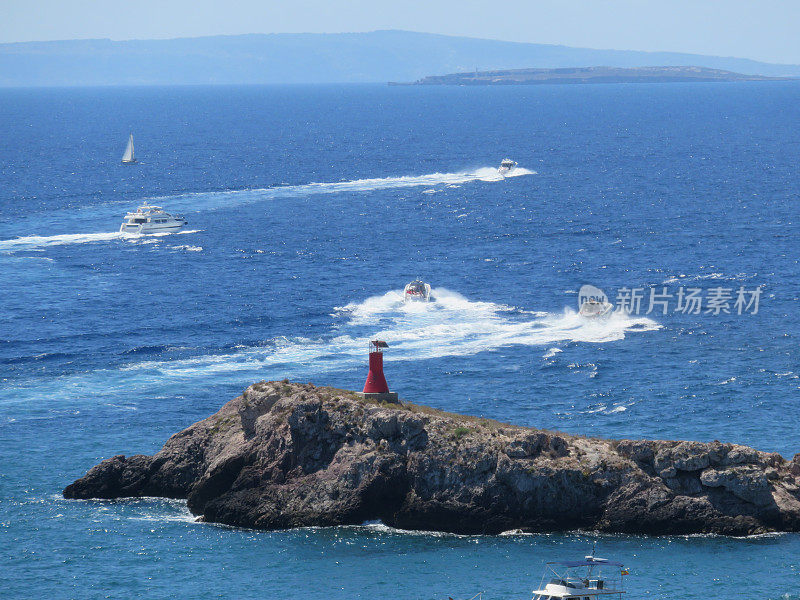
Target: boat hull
column 151, row 228
column 596, row 311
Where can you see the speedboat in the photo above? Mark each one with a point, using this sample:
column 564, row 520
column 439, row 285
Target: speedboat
column 506, row 166
column 588, row 579
column 151, row 219
column 417, row 291
column 595, row 309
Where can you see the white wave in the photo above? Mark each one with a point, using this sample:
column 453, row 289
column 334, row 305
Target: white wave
column 789, row 374
column 606, row 410
column 519, row 172
column 38, row 241
column 143, row 508
column 551, row 352
column 199, row 201
column 10, row 257
column 211, row 200
column 683, row 278
column 451, row 325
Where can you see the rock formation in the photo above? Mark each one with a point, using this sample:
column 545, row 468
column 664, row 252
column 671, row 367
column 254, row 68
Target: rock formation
column 288, row 455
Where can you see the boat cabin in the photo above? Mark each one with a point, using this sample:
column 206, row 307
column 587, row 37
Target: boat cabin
column 417, row 290
column 582, row 580
column 151, row 219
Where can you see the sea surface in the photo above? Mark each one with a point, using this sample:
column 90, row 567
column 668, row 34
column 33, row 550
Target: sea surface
column 309, row 208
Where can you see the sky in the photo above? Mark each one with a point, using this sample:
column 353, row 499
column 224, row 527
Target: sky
column 758, row 29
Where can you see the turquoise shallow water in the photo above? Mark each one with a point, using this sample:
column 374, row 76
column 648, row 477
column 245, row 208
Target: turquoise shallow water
column 309, row 208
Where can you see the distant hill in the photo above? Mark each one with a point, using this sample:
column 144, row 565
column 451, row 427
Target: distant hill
column 377, row 56
column 588, row 75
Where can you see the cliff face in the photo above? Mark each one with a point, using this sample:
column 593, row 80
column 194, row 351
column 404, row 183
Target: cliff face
column 286, row 455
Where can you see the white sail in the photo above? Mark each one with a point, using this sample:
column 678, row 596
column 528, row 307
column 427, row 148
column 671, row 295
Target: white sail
column 128, row 156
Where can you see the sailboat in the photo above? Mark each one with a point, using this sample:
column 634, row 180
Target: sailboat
column 128, row 158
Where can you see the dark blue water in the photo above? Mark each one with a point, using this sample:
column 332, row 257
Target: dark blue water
column 309, row 208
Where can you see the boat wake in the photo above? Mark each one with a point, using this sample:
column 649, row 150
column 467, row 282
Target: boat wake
column 33, row 242
column 452, row 325
column 204, row 201
column 519, row 172
column 212, row 200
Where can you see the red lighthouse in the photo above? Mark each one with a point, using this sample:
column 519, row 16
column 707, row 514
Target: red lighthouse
column 376, row 387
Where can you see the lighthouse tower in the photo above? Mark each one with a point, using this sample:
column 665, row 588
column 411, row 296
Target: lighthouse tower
column 376, row 387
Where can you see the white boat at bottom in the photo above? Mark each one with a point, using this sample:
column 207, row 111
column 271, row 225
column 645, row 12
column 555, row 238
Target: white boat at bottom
column 506, row 166
column 595, row 309
column 151, row 219
column 588, row 579
column 417, row 291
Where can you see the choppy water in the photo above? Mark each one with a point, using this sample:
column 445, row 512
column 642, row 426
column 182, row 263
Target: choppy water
column 309, row 208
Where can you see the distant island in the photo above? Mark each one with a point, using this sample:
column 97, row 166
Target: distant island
column 368, row 57
column 589, row 75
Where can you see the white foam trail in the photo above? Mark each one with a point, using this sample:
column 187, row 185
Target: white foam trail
column 38, row 241
column 456, row 326
column 212, row 200
column 199, row 201
column 519, row 172
column 607, row 410
column 450, row 326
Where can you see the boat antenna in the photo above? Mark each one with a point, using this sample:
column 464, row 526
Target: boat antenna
column 591, row 556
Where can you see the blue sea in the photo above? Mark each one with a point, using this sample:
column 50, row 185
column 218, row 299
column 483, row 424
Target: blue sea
column 309, row 209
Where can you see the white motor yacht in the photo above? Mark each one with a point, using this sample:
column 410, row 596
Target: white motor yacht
column 506, row 166
column 151, row 219
column 595, row 309
column 417, row 291
column 588, row 579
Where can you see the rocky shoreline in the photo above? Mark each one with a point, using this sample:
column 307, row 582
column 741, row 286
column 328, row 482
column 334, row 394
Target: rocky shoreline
column 286, row 455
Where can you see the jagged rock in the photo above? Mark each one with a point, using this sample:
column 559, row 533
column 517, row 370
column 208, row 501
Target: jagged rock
column 749, row 483
column 287, row 455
